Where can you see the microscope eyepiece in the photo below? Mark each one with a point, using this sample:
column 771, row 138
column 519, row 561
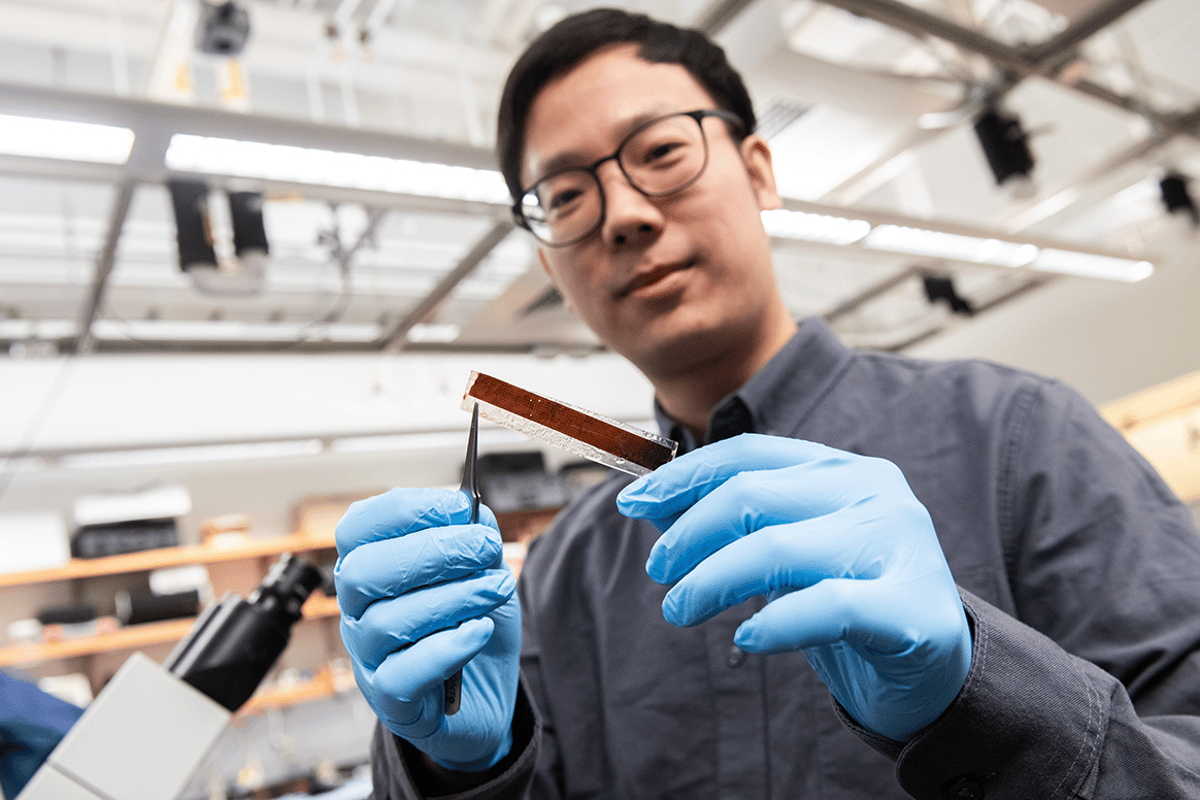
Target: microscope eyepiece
column 235, row 642
column 286, row 586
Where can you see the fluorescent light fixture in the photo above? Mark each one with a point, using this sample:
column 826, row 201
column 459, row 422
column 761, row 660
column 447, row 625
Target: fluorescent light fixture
column 211, row 155
column 155, row 456
column 190, row 330
column 231, row 330
column 1087, row 265
column 433, row 332
column 71, row 141
column 435, row 440
column 999, row 253
column 38, row 329
column 807, row 227
column 953, row 246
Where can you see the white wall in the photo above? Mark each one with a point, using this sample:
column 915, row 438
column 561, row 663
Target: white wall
column 115, row 401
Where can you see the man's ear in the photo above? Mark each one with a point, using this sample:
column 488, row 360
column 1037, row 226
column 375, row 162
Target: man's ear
column 756, row 154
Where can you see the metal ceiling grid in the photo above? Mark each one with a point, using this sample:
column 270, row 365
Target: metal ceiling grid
column 445, row 274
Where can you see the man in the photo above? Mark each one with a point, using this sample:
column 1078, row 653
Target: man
column 767, row 616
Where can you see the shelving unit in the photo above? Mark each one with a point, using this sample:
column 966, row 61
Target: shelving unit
column 232, row 568
column 322, row 685
column 132, row 638
column 169, row 557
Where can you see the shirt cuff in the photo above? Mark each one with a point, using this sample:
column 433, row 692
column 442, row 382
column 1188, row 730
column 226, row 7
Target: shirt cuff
column 410, row 776
column 1028, row 722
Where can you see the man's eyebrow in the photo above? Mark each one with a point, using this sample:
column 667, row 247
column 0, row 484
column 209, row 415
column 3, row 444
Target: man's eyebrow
column 576, row 158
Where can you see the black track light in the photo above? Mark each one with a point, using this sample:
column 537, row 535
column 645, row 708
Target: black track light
column 223, row 28
column 1177, row 198
column 941, row 287
column 1005, row 144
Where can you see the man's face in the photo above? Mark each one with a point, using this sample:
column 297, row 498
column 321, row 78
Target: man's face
column 664, row 281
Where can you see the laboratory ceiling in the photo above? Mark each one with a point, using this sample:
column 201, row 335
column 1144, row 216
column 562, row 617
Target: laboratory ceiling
column 365, row 129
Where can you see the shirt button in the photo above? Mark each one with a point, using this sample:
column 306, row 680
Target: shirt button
column 736, row 657
column 965, row 789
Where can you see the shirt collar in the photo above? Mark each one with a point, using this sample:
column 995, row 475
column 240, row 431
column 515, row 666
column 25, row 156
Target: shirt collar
column 780, row 396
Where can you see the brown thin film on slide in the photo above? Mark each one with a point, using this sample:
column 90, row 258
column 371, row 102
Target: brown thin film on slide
column 569, row 421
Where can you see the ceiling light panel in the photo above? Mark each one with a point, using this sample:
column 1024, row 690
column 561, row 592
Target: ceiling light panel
column 806, row 227
column 72, row 141
column 951, row 246
column 216, row 156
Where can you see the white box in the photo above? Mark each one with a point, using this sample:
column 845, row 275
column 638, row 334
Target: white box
column 33, row 541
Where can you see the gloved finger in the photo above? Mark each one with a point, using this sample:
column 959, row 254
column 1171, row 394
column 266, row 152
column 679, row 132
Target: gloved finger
column 779, row 558
column 392, row 709
column 396, row 623
column 401, row 511
column 833, row 611
column 677, row 485
column 395, row 710
column 408, row 686
column 742, row 505
column 391, row 567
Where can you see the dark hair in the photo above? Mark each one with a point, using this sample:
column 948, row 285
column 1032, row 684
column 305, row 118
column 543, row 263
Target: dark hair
column 575, row 38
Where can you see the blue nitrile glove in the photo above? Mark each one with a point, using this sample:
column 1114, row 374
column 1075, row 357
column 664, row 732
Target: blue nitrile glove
column 845, row 554
column 423, row 593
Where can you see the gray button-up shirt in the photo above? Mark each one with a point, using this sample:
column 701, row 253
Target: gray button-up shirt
column 1079, row 570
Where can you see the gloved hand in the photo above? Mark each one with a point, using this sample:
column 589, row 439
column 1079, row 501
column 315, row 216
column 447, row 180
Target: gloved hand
column 423, row 593
column 845, row 554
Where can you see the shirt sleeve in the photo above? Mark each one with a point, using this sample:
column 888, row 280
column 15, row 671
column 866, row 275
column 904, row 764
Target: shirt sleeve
column 398, row 771
column 1034, row 721
column 1093, row 690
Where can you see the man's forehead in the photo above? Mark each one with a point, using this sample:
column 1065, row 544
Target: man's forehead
column 598, row 102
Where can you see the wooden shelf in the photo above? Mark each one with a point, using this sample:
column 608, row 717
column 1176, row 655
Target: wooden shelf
column 133, row 637
column 319, row 687
column 169, row 557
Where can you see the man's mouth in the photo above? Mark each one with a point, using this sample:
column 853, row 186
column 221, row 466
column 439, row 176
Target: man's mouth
column 652, row 276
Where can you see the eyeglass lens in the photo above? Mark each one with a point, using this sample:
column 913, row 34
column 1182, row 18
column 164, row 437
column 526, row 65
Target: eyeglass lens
column 661, row 158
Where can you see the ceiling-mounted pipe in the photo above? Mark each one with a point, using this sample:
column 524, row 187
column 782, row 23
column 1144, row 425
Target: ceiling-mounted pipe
column 394, row 340
column 104, row 266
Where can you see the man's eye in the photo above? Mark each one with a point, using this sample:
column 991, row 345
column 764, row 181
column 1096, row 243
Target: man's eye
column 664, row 150
column 560, row 200
column 662, row 153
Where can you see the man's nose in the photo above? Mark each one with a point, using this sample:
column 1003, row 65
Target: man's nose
column 629, row 215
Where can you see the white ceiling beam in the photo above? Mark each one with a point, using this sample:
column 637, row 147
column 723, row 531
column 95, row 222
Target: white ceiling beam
column 154, row 124
column 1043, row 60
column 171, row 49
column 868, row 92
column 1016, row 62
column 158, row 121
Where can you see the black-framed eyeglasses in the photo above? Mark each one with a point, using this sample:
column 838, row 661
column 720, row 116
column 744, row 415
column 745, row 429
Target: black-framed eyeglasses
column 663, row 156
